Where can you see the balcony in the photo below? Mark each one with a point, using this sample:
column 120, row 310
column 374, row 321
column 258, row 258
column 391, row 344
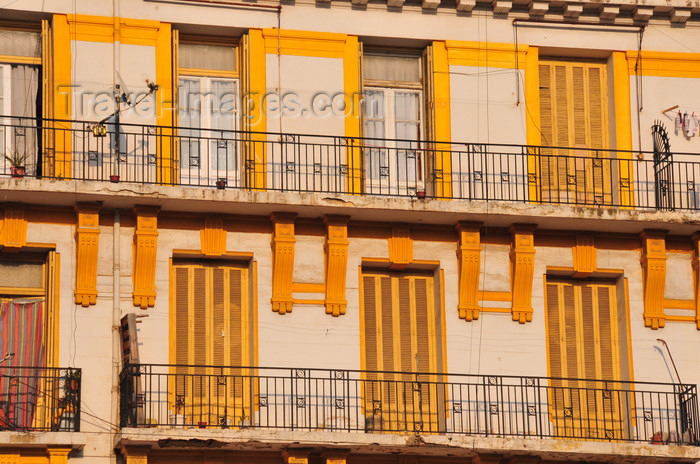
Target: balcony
column 39, row 399
column 344, row 165
column 291, row 399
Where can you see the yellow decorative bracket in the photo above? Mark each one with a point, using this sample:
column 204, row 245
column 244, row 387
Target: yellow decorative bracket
column 282, row 261
column 145, row 245
column 469, row 257
column 13, row 228
column 9, row 458
column 213, row 236
column 86, row 236
column 696, row 276
column 654, row 277
column 336, row 248
column 585, row 254
column 522, row 269
column 400, row 246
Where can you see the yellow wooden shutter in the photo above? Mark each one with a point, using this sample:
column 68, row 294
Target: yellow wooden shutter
column 182, row 325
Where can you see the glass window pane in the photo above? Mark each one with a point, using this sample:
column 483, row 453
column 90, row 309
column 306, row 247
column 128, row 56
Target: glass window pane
column 20, row 43
column 21, row 274
column 199, row 56
column 392, row 68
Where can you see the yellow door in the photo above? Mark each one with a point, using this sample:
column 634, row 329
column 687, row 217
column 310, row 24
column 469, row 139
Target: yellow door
column 582, row 331
column 574, row 163
column 211, row 344
column 400, row 335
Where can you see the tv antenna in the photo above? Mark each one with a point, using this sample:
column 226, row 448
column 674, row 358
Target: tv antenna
column 121, row 95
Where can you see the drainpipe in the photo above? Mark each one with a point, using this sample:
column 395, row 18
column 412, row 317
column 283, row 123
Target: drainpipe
column 116, row 325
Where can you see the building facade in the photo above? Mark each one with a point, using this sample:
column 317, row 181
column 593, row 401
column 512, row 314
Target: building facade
column 349, row 232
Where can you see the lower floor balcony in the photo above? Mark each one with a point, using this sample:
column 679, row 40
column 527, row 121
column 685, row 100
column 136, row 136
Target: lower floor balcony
column 39, row 399
column 409, row 403
column 329, row 164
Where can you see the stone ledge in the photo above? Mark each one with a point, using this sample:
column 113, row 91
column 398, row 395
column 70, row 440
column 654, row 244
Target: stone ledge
column 73, row 440
column 358, row 207
column 426, row 445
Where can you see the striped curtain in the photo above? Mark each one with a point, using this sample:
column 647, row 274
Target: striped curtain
column 21, row 335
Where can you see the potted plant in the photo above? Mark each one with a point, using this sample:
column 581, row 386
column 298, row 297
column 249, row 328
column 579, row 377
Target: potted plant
column 72, row 380
column 16, row 160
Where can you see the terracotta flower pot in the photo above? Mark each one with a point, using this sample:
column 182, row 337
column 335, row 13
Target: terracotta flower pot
column 17, row 172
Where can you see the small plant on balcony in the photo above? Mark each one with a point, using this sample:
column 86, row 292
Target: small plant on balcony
column 72, row 381
column 17, row 160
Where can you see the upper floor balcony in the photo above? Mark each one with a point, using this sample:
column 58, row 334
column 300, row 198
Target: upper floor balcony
column 224, row 159
column 409, row 403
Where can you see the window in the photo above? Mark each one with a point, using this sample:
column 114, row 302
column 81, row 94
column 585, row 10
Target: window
column 584, row 343
column 401, row 332
column 393, row 114
column 211, row 310
column 27, row 300
column 573, row 116
column 208, row 96
column 20, row 95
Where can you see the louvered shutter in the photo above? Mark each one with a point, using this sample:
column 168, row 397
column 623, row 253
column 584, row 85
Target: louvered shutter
column 182, row 326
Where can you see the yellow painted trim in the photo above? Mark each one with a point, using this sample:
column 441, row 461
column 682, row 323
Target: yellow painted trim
column 255, row 318
column 62, row 93
column 496, row 310
column 171, row 316
column 86, row 236
column 671, row 303
column 400, row 246
column 165, row 103
column 353, row 121
column 681, row 318
column 531, row 78
column 304, row 43
column 442, row 118
column 207, row 72
column 522, row 259
column 630, row 361
column 444, row 327
column 363, row 347
column 485, row 54
column 546, row 329
column 56, row 308
column 144, row 257
column 336, row 263
column 469, row 260
column 13, row 227
column 20, row 59
column 665, row 64
column 654, row 277
column 282, row 261
column 623, row 125
column 308, row 301
column 299, row 287
column 254, row 117
column 585, row 253
column 107, row 29
column 695, row 243
column 213, row 236
column 496, row 296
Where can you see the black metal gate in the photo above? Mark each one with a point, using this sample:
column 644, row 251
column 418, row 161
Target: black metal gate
column 663, row 168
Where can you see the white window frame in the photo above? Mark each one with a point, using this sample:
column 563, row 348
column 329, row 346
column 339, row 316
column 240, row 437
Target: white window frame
column 6, row 106
column 205, row 172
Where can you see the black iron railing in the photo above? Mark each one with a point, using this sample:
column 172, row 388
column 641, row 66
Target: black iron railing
column 39, row 398
column 177, row 396
column 349, row 165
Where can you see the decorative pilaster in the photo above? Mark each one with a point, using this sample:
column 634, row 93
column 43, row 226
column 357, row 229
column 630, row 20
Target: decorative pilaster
column 585, row 254
column 522, row 269
column 400, row 246
column 336, row 248
column 86, row 236
column 13, row 229
column 145, row 245
column 282, row 261
column 9, row 458
column 469, row 257
column 654, row 276
column 57, row 455
column 696, row 276
column 296, row 456
column 213, row 236
column 334, row 457
column 135, row 454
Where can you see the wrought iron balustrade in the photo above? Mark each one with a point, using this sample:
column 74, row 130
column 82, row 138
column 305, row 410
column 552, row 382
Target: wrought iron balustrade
column 39, row 398
column 183, row 156
column 179, row 396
